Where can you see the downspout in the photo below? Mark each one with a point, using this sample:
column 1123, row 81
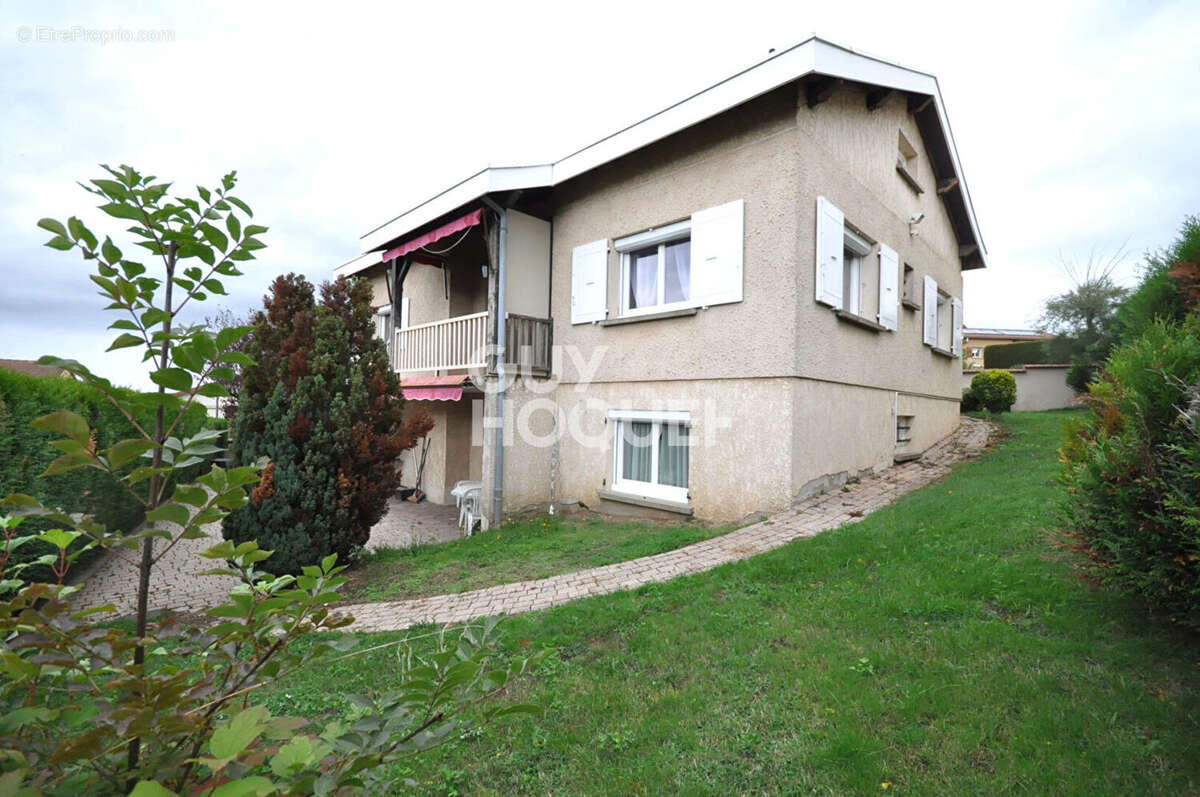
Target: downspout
column 501, row 335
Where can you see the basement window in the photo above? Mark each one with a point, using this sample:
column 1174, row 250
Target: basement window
column 904, row 428
column 651, row 453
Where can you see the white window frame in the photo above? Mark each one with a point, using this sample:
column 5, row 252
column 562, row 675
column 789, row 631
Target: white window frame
column 660, row 237
column 945, row 321
column 381, row 322
column 904, row 424
column 656, row 419
column 855, row 248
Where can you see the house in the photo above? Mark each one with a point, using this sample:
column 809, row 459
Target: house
column 31, row 368
column 747, row 297
column 976, row 339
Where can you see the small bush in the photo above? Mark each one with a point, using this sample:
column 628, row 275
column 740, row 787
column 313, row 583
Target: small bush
column 1132, row 469
column 969, row 402
column 994, row 390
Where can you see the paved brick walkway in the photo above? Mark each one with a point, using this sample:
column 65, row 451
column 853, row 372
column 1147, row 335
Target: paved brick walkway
column 806, row 519
column 176, row 585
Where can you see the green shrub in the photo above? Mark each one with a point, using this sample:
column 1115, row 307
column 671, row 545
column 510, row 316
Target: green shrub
column 1160, row 296
column 1014, row 355
column 969, row 402
column 1132, row 469
column 994, row 390
column 25, row 453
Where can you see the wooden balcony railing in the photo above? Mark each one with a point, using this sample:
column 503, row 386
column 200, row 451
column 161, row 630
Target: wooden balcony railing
column 461, row 343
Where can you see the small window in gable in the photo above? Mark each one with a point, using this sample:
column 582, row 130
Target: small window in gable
column 910, row 297
column 906, row 163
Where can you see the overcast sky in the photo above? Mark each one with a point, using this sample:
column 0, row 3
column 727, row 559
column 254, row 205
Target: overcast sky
column 1078, row 126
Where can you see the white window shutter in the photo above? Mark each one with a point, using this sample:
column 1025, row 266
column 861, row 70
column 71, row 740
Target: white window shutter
column 889, row 287
column 589, row 282
column 929, row 309
column 831, row 233
column 717, row 251
column 956, row 318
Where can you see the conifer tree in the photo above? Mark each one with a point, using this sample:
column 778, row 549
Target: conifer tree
column 323, row 405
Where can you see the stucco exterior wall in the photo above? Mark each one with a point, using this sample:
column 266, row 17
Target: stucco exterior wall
column 1039, row 388
column 740, row 431
column 748, row 154
column 849, row 156
column 527, row 278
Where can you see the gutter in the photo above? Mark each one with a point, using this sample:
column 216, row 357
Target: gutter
column 501, row 340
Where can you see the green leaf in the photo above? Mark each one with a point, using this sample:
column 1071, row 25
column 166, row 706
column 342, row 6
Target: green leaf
column 172, row 378
column 244, row 207
column 119, row 210
column 52, row 225
column 189, row 358
column 195, row 496
column 233, row 225
column 148, row 788
column 110, row 251
column 66, row 423
column 251, row 786
column 60, row 243
column 59, row 538
column 230, row 335
column 125, row 340
column 174, row 513
column 214, row 236
column 237, row 358
column 127, row 450
column 213, row 390
column 215, row 286
column 204, row 193
column 232, row 739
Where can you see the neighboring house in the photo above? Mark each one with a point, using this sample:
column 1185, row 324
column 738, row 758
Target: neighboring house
column 976, row 339
column 752, row 295
column 32, row 368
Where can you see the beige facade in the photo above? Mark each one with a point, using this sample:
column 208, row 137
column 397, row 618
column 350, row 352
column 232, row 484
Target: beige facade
column 783, row 396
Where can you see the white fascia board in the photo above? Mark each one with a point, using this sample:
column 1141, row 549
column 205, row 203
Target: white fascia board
column 357, row 264
column 482, row 183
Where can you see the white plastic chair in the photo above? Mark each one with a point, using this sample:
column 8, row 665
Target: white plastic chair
column 466, row 498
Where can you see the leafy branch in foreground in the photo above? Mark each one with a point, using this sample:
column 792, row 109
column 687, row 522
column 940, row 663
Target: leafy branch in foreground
column 88, row 706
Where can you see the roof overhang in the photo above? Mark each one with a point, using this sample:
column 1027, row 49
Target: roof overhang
column 813, row 56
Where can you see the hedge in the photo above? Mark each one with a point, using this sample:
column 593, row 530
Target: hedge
column 1132, row 469
column 1014, row 355
column 25, row 452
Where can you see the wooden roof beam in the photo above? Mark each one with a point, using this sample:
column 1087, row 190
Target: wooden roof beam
column 946, row 184
column 876, row 97
column 818, row 90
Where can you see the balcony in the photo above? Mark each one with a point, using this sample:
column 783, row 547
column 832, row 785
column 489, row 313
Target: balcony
column 460, row 343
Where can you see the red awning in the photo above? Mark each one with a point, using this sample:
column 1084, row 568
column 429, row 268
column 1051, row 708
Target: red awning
column 470, row 220
column 433, row 388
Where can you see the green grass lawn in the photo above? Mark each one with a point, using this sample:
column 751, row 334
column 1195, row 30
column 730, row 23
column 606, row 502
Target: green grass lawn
column 519, row 550
column 944, row 645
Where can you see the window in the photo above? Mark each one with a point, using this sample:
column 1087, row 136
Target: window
column 381, row 320
column 656, row 269
column 904, row 428
column 855, row 251
column 650, row 454
column 943, row 320
column 909, row 297
column 976, row 352
column 855, row 276
column 906, row 163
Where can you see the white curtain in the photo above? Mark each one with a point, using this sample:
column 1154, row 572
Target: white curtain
column 636, row 439
column 643, row 278
column 677, row 275
column 673, row 455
